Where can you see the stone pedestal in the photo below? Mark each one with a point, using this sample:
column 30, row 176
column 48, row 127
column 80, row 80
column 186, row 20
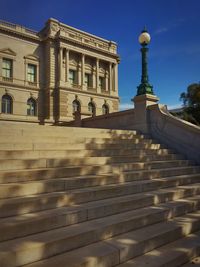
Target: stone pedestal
column 141, row 104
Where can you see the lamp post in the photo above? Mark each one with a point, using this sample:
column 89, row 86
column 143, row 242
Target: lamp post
column 145, row 96
column 144, row 87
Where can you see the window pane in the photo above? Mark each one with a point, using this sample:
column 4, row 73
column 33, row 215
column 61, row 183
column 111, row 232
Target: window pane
column 7, row 63
column 7, row 68
column 71, row 76
column 76, row 106
column 31, row 107
column 31, row 75
column 92, row 109
column 6, row 105
column 101, row 82
column 88, row 79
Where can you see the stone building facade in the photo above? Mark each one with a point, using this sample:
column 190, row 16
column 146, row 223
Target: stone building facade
column 51, row 75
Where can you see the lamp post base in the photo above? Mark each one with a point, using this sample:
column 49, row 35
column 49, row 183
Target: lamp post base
column 141, row 103
column 145, row 88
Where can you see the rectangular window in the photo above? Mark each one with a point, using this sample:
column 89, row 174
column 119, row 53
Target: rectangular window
column 72, row 76
column 31, row 73
column 101, row 82
column 88, row 80
column 7, row 68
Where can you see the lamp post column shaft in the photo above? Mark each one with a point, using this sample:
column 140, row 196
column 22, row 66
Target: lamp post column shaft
column 144, row 78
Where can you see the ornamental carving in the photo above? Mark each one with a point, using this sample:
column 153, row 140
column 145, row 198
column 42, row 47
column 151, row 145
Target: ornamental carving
column 54, row 27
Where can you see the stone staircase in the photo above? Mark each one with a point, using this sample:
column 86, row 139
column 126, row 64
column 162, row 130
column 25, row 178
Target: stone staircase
column 77, row 197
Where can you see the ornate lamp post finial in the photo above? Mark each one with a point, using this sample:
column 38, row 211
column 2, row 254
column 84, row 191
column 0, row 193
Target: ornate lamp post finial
column 144, row 87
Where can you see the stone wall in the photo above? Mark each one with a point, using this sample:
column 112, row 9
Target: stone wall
column 178, row 134
column 117, row 120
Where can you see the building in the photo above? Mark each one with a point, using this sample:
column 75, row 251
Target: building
column 49, row 76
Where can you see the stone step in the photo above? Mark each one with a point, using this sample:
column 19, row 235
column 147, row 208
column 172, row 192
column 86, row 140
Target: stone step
column 27, row 175
column 59, row 129
column 74, row 139
column 122, row 152
column 194, row 263
column 13, row 189
column 77, row 155
column 138, row 154
column 51, row 200
column 31, row 223
column 107, row 255
column 34, row 126
column 174, row 254
column 75, row 146
column 40, row 246
column 124, row 170
column 144, row 240
column 99, row 254
column 64, row 131
column 17, row 164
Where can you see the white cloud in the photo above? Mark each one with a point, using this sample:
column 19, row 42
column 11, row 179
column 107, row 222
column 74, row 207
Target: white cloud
column 125, row 106
column 169, row 107
column 170, row 26
column 161, row 30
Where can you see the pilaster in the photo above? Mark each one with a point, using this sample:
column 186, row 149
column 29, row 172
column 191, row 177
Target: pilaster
column 83, row 72
column 61, row 69
column 97, row 76
column 67, row 67
column 93, row 77
column 116, row 79
column 110, row 77
column 106, row 81
column 79, row 82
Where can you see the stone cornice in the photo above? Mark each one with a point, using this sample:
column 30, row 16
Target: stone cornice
column 71, row 90
column 58, row 31
column 18, row 86
column 18, row 30
column 55, row 29
column 95, row 49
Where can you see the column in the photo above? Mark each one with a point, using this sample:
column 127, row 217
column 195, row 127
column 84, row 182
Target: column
column 67, row 66
column 79, row 81
column 106, row 82
column 97, row 76
column 110, row 77
column 116, row 78
column 93, row 77
column 83, row 72
column 61, row 76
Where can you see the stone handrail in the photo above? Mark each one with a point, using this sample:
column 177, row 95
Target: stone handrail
column 178, row 134
column 115, row 120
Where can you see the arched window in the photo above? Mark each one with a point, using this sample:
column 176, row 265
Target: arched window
column 105, row 109
column 7, row 104
column 31, row 107
column 92, row 109
column 76, row 106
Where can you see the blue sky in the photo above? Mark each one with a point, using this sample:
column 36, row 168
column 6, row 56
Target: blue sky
column 174, row 25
